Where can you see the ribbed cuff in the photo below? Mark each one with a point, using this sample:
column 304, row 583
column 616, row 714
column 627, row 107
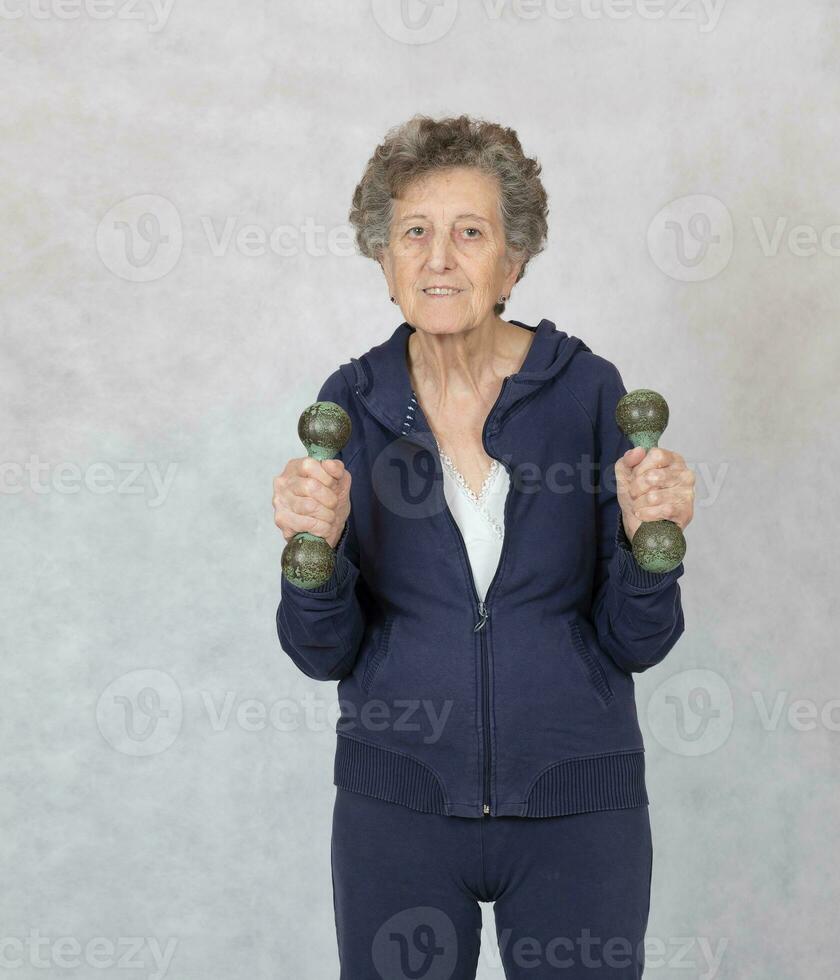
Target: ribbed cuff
column 631, row 576
column 621, row 538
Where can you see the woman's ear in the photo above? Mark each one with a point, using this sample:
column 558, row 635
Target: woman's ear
column 385, row 273
column 515, row 261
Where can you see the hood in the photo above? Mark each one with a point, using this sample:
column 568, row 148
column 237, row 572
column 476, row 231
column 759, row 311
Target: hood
column 382, row 380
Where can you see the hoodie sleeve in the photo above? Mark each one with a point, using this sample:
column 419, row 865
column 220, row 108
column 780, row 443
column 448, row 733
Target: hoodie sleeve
column 321, row 629
column 637, row 615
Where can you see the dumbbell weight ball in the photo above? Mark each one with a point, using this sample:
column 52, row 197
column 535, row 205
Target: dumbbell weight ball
column 324, row 429
column 642, row 415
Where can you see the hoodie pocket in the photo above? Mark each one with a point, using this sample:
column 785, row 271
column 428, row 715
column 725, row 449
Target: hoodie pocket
column 585, row 645
column 380, row 652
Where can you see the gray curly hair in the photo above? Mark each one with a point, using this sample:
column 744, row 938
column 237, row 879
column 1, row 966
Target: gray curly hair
column 424, row 145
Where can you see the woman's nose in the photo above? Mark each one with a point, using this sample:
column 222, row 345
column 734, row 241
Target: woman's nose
column 441, row 253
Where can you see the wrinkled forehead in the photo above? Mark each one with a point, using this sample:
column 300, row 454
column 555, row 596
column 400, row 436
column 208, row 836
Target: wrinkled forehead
column 449, row 195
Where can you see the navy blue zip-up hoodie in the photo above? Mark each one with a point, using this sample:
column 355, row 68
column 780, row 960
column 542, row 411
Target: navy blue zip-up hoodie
column 521, row 705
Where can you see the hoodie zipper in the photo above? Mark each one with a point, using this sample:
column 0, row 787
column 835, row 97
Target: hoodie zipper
column 481, row 604
column 479, row 627
column 484, row 615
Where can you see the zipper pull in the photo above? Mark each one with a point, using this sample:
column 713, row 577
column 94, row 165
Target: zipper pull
column 484, row 616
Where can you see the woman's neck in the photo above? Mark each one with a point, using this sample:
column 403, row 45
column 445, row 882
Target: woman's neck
column 468, row 364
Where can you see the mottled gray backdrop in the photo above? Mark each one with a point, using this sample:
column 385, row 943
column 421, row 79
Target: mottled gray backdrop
column 178, row 278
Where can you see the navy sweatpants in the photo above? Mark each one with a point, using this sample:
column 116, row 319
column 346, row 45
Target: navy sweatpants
column 571, row 894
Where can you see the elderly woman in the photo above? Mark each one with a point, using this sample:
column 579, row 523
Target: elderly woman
column 485, row 615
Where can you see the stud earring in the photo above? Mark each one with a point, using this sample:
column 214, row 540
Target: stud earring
column 502, row 299
column 393, row 300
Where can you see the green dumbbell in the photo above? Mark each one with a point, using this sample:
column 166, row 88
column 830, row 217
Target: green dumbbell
column 307, row 560
column 642, row 415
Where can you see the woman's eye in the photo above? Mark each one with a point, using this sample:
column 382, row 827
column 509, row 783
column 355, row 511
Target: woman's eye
column 415, row 228
column 473, row 229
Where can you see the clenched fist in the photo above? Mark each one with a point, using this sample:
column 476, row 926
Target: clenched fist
column 652, row 486
column 312, row 496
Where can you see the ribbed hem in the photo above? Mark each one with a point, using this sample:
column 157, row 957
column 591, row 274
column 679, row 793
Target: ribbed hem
column 607, row 782
column 364, row 768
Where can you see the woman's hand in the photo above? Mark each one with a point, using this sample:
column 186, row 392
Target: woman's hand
column 653, row 486
column 312, row 495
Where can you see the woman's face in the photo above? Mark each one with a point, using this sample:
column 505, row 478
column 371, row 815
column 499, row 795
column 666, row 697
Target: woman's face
column 447, row 231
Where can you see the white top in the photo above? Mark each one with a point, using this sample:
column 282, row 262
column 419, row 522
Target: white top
column 480, row 518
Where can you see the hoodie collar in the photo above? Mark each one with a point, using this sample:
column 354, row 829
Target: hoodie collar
column 382, row 380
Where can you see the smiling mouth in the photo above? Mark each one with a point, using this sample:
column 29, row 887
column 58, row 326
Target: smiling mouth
column 441, row 291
